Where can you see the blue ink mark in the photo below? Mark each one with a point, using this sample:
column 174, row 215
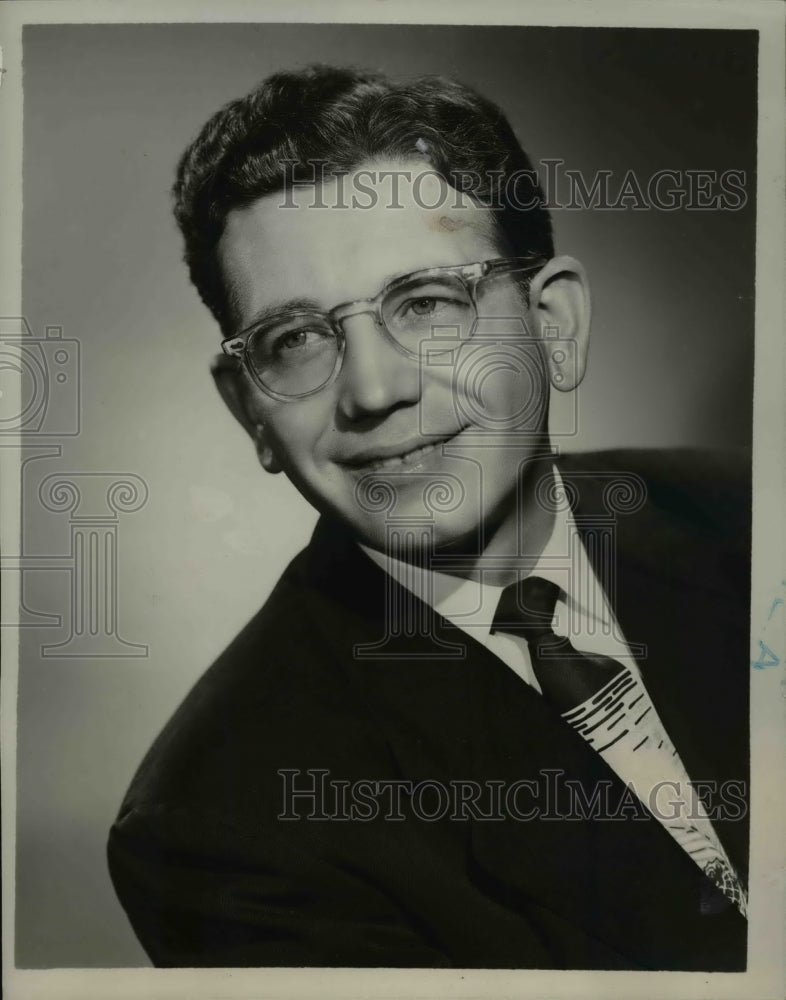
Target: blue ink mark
column 775, row 603
column 766, row 658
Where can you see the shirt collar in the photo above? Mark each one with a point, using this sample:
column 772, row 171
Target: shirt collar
column 471, row 604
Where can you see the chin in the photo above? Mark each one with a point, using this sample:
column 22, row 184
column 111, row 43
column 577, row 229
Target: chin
column 408, row 540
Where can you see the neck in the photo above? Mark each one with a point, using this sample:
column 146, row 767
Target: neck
column 521, row 526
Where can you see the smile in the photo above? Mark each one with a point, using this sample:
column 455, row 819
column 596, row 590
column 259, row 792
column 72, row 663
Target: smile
column 404, row 456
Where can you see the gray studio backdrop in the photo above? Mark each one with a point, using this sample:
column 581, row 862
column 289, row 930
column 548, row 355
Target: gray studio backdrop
column 166, row 566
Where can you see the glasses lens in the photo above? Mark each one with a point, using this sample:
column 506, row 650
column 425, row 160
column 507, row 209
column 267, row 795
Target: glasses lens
column 503, row 295
column 437, row 309
column 295, row 354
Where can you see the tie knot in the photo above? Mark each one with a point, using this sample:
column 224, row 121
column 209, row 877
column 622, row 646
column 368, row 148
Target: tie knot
column 527, row 607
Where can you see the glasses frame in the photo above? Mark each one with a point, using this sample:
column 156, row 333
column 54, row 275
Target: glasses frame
column 469, row 274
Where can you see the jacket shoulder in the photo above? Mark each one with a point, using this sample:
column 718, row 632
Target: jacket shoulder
column 275, row 698
column 705, row 489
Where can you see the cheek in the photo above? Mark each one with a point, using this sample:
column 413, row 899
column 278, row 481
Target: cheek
column 499, row 386
column 298, row 431
column 513, row 388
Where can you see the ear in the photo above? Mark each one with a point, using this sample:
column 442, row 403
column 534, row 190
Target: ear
column 560, row 308
column 234, row 390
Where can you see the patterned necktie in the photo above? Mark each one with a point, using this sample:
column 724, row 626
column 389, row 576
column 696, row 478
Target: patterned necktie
column 566, row 677
column 609, row 706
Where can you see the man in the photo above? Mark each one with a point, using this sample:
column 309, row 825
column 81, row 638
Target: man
column 495, row 714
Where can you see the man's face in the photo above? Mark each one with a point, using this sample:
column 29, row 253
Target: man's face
column 393, row 437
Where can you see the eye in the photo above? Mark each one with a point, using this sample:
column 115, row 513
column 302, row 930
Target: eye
column 301, row 339
column 431, row 307
column 423, row 307
column 293, row 339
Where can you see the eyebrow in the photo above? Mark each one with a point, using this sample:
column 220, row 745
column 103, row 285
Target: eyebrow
column 277, row 308
column 303, row 304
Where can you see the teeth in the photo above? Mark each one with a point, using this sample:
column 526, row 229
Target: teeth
column 411, row 458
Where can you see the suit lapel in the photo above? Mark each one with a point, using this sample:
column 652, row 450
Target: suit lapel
column 674, row 599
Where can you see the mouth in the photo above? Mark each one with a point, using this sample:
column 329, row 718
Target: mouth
column 407, row 455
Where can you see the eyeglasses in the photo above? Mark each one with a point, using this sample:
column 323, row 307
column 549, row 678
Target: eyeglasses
column 298, row 352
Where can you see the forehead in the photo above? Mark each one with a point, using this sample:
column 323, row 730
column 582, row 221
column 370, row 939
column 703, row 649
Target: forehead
column 344, row 239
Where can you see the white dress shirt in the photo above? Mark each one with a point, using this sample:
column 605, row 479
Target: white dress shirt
column 583, row 613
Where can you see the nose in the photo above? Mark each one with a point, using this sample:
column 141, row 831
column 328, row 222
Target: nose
column 376, row 377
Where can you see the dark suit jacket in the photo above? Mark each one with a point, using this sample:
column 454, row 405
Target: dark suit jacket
column 209, row 875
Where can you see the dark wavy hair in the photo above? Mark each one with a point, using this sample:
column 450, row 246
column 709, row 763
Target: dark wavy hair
column 342, row 118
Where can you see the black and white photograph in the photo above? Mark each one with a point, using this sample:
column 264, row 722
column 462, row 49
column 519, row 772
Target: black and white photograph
column 392, row 428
